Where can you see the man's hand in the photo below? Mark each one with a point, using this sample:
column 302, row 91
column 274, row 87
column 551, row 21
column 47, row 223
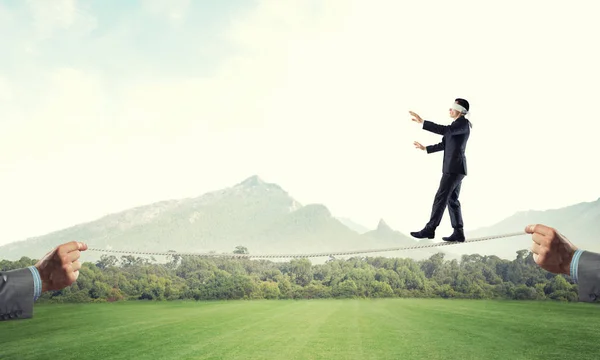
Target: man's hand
column 60, row 267
column 419, row 146
column 551, row 250
column 416, row 118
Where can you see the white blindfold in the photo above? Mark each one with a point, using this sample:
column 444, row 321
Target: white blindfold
column 459, row 108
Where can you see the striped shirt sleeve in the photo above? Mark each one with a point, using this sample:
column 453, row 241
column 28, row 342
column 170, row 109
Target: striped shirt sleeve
column 37, row 282
column 574, row 264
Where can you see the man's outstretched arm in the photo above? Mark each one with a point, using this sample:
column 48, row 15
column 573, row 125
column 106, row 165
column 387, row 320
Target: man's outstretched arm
column 434, row 128
column 18, row 291
column 458, row 127
column 435, row 148
column 431, row 148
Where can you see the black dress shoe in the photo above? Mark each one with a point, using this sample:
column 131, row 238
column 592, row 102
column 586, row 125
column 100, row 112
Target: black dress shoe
column 425, row 233
column 458, row 235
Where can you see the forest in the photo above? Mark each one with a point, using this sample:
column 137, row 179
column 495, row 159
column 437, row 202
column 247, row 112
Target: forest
column 227, row 278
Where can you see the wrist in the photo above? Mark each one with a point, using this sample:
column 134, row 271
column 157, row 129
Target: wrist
column 43, row 279
column 573, row 262
column 566, row 268
column 37, row 282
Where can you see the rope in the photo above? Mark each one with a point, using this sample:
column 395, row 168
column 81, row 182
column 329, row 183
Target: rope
column 313, row 255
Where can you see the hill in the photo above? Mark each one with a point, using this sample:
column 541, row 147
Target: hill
column 579, row 222
column 352, row 225
column 387, row 237
column 264, row 218
column 255, row 214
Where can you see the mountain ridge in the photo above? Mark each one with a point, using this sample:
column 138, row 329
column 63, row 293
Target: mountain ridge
column 265, row 218
column 253, row 213
column 580, row 222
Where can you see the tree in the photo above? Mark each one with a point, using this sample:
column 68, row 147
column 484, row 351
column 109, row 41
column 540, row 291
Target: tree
column 240, row 250
column 107, row 261
column 231, row 278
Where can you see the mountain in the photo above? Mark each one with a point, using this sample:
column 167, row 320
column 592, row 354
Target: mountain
column 389, row 238
column 265, row 219
column 253, row 213
column 353, row 225
column 580, row 223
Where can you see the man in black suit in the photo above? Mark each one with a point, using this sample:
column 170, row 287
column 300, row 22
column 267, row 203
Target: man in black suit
column 454, row 169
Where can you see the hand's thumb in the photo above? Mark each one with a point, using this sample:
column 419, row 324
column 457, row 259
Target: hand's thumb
column 46, row 257
column 563, row 239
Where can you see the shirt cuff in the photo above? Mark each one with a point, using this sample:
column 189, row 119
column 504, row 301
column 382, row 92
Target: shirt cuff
column 574, row 264
column 37, row 282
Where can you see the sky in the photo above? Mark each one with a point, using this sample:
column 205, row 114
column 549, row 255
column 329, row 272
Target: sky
column 108, row 105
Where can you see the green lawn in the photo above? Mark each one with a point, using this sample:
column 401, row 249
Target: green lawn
column 316, row 329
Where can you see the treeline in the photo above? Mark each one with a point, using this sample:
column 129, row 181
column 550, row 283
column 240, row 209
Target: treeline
column 475, row 277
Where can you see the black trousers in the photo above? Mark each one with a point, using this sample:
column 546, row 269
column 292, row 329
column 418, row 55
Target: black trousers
column 447, row 195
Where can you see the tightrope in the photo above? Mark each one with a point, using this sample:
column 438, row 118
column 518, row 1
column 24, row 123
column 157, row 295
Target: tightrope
column 311, row 255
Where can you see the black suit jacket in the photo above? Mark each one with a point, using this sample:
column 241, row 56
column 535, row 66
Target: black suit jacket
column 454, row 144
column 16, row 294
column 588, row 276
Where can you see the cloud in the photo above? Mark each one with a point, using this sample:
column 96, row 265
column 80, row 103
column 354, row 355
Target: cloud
column 248, row 86
column 52, row 16
column 6, row 94
column 173, row 10
column 241, row 92
column 296, row 87
column 68, row 112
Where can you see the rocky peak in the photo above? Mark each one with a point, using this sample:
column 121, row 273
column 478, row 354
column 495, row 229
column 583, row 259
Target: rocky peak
column 252, row 181
column 383, row 226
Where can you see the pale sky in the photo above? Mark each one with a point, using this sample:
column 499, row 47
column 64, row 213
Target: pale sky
column 107, row 105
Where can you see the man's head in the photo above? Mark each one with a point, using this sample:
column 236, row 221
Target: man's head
column 460, row 107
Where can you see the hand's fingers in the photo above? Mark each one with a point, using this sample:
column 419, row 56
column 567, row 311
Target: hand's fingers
column 76, row 266
column 71, row 251
column 536, row 248
column 71, row 257
column 70, row 275
column 538, row 228
column 70, row 246
column 70, row 278
column 538, row 239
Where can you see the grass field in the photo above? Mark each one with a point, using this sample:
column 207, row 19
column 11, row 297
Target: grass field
column 316, row 329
